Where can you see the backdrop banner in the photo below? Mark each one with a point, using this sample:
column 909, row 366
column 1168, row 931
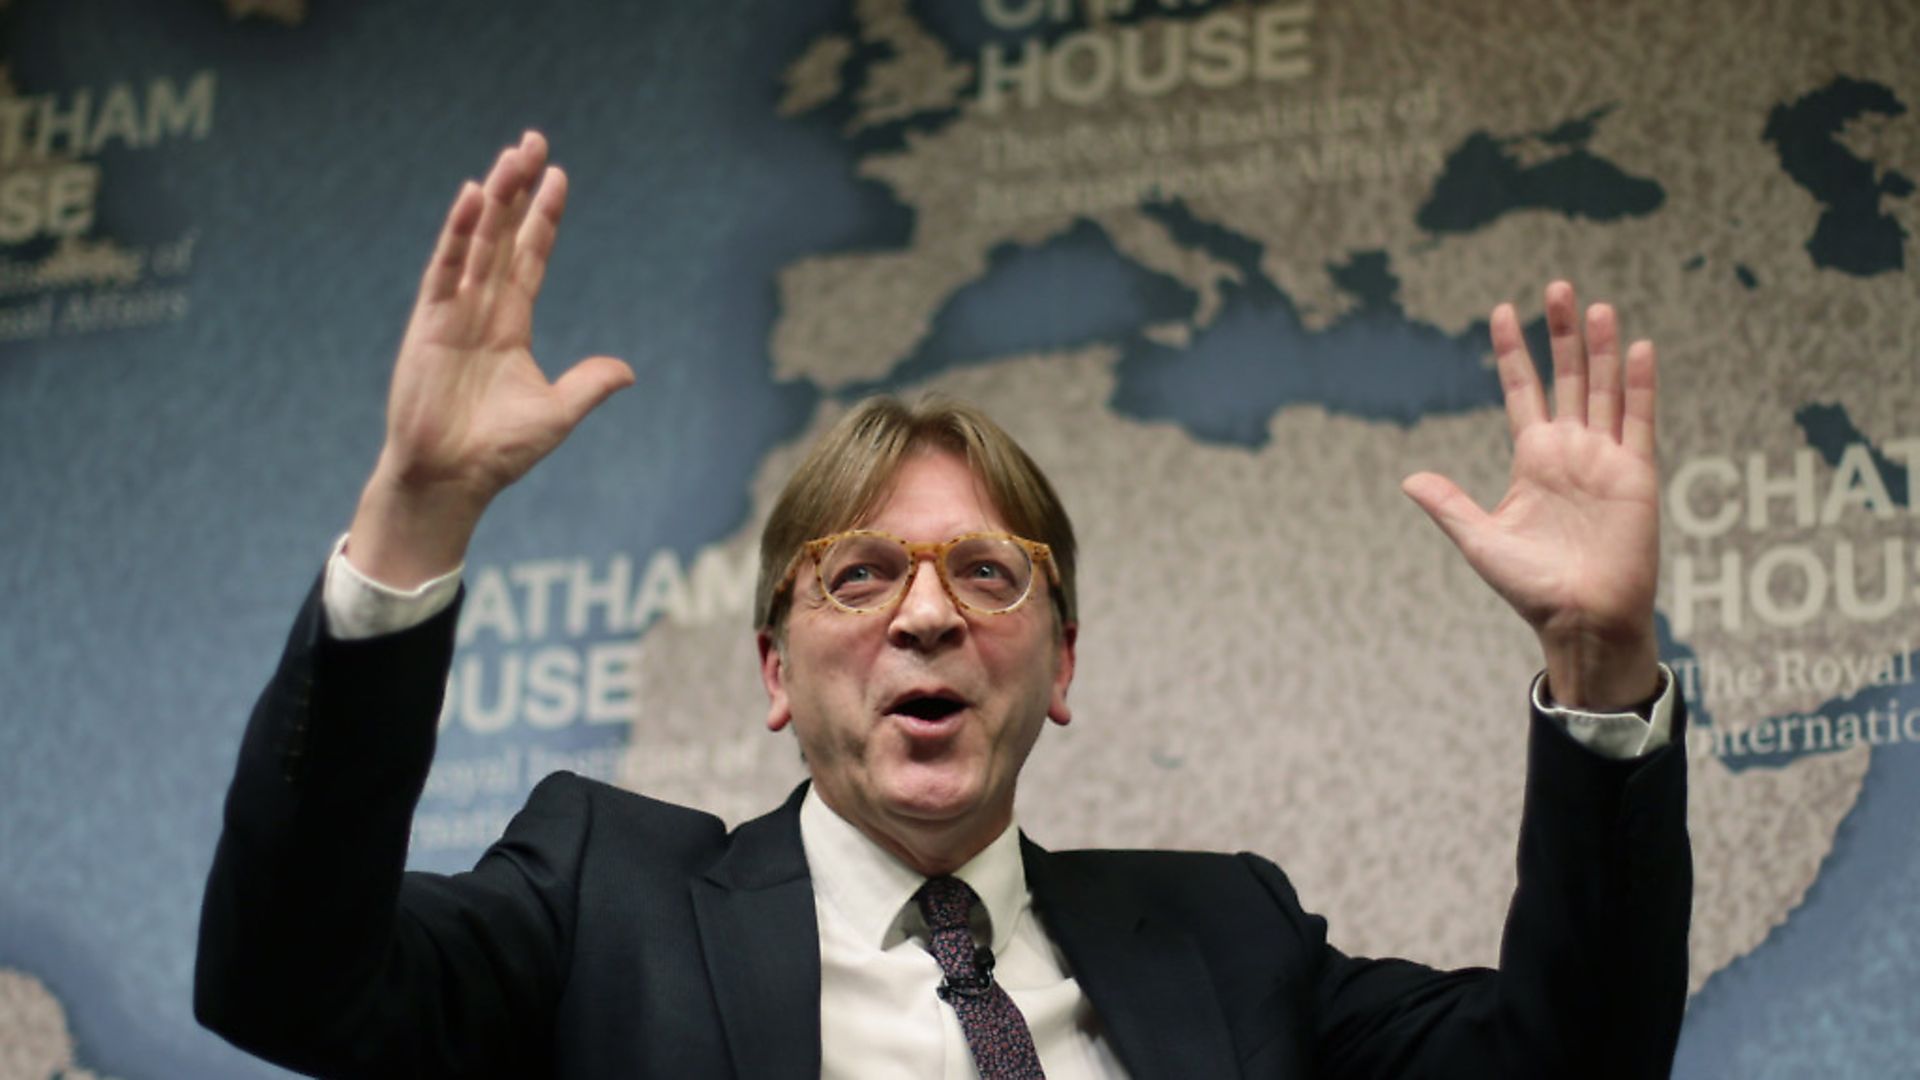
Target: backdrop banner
column 1224, row 267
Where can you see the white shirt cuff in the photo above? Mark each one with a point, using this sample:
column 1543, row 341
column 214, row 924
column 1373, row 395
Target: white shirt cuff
column 1617, row 735
column 359, row 607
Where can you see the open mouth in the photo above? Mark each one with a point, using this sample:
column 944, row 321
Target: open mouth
column 927, row 707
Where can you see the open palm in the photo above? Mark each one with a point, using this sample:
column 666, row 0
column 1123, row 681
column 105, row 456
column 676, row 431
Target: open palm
column 1573, row 546
column 470, row 411
column 469, row 405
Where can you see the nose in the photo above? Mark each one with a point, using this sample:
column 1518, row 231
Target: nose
column 926, row 616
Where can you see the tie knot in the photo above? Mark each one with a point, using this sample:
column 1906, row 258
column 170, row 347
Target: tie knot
column 946, row 902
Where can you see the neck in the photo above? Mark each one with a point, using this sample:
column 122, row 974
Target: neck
column 931, row 849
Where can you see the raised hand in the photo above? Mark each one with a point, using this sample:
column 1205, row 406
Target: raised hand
column 1574, row 544
column 470, row 411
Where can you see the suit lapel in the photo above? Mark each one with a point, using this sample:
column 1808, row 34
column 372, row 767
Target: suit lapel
column 1147, row 980
column 762, row 947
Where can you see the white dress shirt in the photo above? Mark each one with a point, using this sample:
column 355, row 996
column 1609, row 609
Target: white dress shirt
column 880, row 1014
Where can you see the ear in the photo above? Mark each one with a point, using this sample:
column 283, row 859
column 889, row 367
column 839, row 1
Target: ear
column 1057, row 709
column 773, row 675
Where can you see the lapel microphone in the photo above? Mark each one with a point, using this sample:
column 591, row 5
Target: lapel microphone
column 978, row 982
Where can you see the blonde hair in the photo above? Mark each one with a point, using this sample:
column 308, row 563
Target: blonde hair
column 848, row 472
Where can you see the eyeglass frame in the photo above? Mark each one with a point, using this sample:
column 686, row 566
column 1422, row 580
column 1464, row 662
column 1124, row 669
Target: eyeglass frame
column 1038, row 553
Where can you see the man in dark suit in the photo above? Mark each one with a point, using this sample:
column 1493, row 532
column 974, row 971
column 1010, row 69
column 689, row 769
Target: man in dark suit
column 916, row 617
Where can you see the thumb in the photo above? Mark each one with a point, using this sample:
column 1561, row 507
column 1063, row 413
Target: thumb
column 590, row 382
column 1450, row 508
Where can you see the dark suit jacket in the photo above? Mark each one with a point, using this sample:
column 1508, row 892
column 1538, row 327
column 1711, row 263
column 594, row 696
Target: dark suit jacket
column 608, row 934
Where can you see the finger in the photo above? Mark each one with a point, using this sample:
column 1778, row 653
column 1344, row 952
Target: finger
column 502, row 181
column 1603, row 371
column 590, row 382
column 1450, row 508
column 532, row 165
column 449, row 261
column 535, row 244
column 1642, row 387
column 1519, row 381
column 501, row 256
column 1569, row 354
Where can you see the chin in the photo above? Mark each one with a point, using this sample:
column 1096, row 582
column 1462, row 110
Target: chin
column 934, row 798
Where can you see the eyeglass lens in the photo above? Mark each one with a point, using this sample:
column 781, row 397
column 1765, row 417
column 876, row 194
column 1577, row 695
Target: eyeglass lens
column 865, row 572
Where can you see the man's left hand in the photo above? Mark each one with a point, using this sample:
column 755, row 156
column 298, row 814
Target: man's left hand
column 1574, row 545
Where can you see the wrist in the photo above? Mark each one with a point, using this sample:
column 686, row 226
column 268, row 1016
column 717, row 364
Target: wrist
column 1598, row 675
column 406, row 534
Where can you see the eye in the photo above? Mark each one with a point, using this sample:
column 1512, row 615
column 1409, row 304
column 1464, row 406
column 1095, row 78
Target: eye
column 985, row 570
column 854, row 575
column 863, row 571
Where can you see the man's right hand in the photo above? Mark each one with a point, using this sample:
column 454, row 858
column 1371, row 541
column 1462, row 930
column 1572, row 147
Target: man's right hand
column 470, row 411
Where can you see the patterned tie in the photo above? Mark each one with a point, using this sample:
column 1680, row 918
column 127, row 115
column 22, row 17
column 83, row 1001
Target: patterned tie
column 996, row 1032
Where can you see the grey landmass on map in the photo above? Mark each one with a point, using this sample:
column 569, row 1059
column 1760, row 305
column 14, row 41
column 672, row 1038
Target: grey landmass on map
column 1323, row 681
column 34, row 1041
column 1147, row 241
column 814, row 79
column 917, row 75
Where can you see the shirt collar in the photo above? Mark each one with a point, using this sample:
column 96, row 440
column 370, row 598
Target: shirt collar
column 873, row 891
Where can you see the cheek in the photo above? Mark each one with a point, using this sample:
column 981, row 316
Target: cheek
column 1024, row 666
column 826, row 677
column 816, row 639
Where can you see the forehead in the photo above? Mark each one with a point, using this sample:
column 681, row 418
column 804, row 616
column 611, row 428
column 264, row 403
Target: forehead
column 933, row 495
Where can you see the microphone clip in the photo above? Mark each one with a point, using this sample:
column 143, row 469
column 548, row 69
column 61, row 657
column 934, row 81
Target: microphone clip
column 978, row 983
